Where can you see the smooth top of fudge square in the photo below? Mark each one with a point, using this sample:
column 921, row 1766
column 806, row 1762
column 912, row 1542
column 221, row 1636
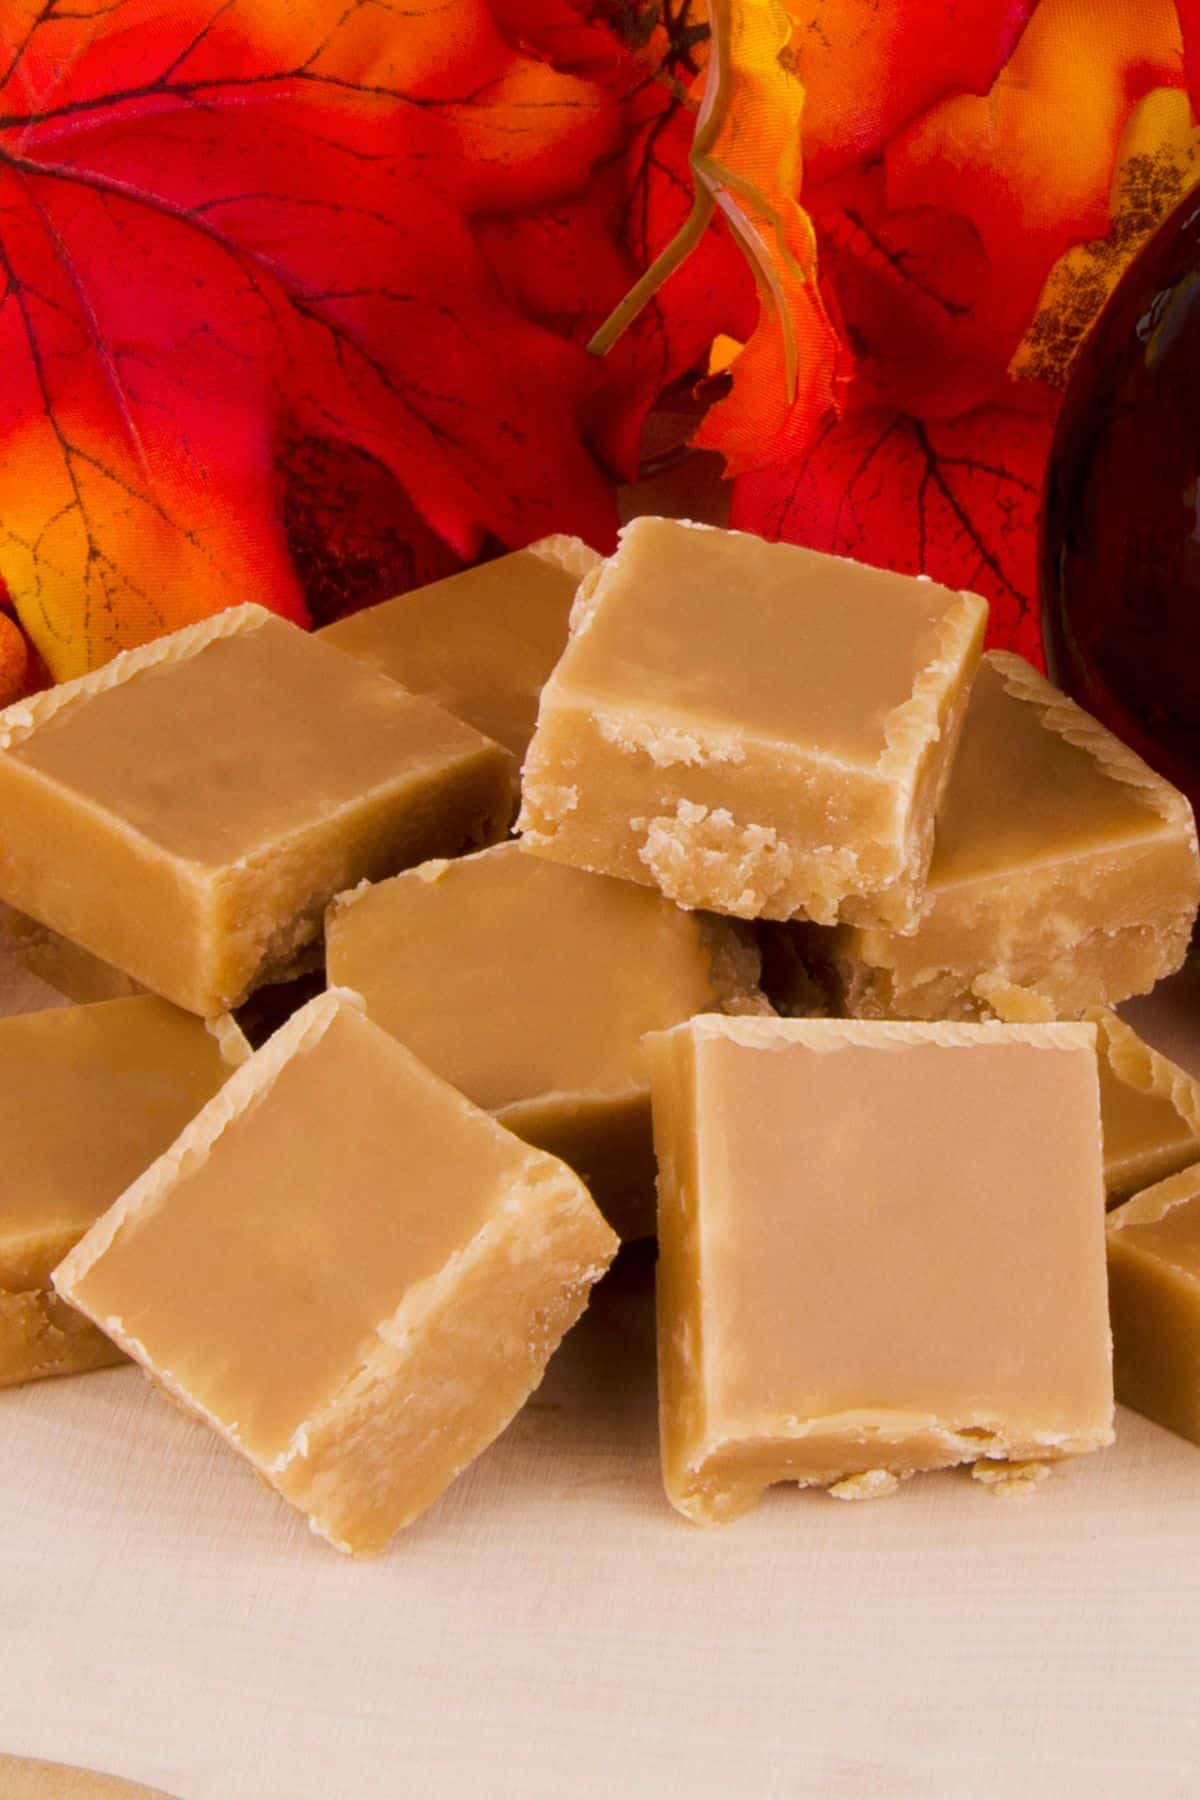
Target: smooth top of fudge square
column 1164, row 1222
column 1036, row 778
column 255, row 1266
column 224, row 739
column 516, row 978
column 729, row 635
column 89, row 1096
column 904, row 1217
column 480, row 643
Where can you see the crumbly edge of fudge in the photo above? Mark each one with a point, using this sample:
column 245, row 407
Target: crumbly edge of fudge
column 866, row 1457
column 874, row 990
column 877, row 1034
column 1154, row 1203
column 570, row 554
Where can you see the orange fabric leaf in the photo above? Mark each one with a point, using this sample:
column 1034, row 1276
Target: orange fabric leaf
column 783, row 381
column 1030, row 164
column 869, row 69
column 841, row 81
column 223, row 226
column 1158, row 160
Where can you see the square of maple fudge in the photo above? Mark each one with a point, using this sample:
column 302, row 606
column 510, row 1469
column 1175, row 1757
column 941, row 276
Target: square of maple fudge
column 186, row 813
column 1149, row 1106
column 881, row 1250
column 89, row 1096
column 1154, row 1294
column 480, row 643
column 1061, row 862
column 752, row 728
column 530, row 986
column 351, row 1273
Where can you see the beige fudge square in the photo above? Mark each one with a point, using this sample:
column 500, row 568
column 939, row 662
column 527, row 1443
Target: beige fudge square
column 187, row 812
column 1149, row 1106
column 1062, row 863
column 753, row 728
column 354, row 1275
column 881, row 1250
column 530, row 986
column 480, row 643
column 89, row 1097
column 1154, row 1288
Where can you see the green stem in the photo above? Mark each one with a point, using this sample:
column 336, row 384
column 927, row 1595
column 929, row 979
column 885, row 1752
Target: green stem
column 664, row 264
column 712, row 114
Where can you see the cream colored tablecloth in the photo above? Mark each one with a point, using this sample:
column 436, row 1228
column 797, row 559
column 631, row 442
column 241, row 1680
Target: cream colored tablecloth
column 551, row 1629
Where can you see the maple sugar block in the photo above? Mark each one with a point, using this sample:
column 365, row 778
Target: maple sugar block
column 351, row 1273
column 1149, row 1106
column 186, row 812
column 480, row 643
column 881, row 1250
column 1062, row 863
column 529, row 986
column 89, row 1097
column 752, row 728
column 1154, row 1289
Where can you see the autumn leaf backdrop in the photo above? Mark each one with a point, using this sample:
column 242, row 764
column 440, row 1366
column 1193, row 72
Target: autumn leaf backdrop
column 310, row 304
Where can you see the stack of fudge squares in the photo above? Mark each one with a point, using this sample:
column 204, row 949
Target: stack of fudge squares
column 722, row 890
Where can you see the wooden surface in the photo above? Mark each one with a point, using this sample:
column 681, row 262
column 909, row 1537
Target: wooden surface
column 553, row 1629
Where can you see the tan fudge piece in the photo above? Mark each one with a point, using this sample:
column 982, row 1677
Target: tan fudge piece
column 354, row 1275
column 89, row 1096
column 1149, row 1106
column 480, row 643
column 187, row 812
column 529, row 986
column 1062, row 863
column 881, row 1249
column 1154, row 1292
column 752, row 728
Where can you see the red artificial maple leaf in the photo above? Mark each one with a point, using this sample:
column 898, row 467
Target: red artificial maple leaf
column 228, row 231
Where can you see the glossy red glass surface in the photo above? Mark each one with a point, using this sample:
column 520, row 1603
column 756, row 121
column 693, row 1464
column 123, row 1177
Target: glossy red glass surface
column 1120, row 548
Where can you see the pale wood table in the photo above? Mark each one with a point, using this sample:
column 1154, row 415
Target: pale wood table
column 552, row 1629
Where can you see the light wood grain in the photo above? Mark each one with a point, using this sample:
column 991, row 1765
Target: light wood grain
column 552, row 1629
